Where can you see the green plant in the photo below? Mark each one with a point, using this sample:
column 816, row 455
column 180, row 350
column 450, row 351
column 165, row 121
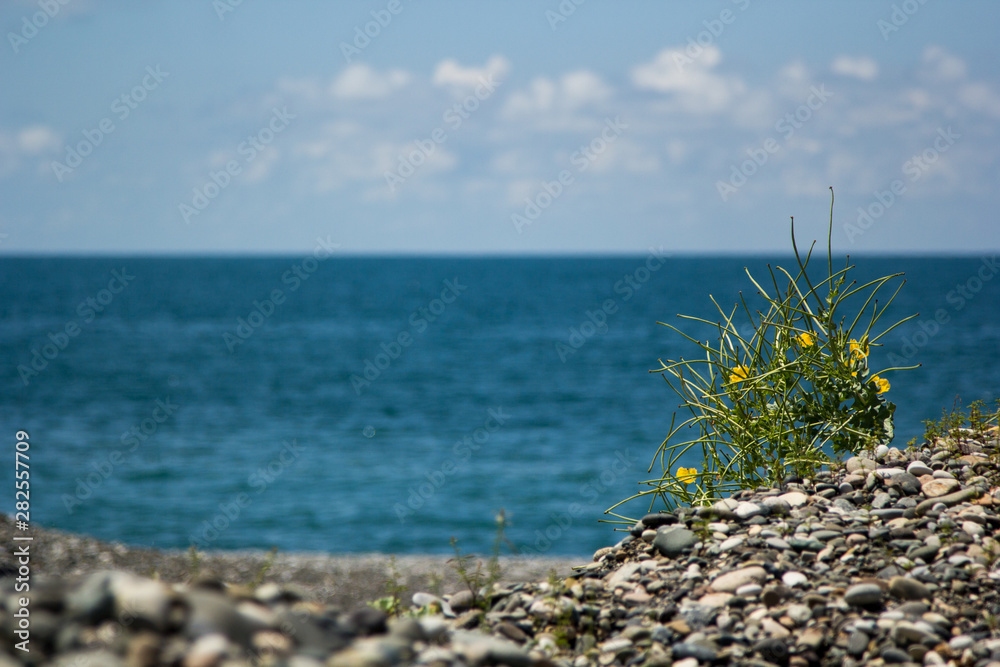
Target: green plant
column 265, row 567
column 478, row 580
column 194, row 563
column 392, row 603
column 774, row 403
column 952, row 424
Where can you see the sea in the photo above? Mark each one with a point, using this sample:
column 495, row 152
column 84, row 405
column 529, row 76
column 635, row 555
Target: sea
column 400, row 405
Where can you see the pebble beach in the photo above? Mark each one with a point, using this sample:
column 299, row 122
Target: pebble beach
column 888, row 558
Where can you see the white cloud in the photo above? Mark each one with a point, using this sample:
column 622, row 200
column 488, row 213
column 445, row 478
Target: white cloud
column 571, row 92
column 449, row 73
column 343, row 153
column 38, row 139
column 862, row 68
column 359, row 81
column 980, row 97
column 941, row 66
column 695, row 86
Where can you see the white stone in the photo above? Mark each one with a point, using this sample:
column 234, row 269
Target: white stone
column 919, row 469
column 730, row 581
column 732, row 543
column 794, row 498
column 747, row 510
column 793, row 579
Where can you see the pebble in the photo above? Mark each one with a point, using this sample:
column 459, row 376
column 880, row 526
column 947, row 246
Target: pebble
column 893, row 562
column 793, row 579
column 731, row 581
column 673, row 541
column 863, row 595
column 934, row 488
column 906, row 588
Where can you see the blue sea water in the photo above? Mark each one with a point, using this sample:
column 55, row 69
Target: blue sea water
column 389, row 404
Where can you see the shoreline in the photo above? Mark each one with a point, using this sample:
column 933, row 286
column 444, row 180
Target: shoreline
column 340, row 580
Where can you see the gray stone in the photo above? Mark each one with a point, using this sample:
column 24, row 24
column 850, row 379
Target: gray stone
column 799, row 613
column 747, row 510
column 925, row 553
column 672, row 541
column 777, row 506
column 92, row 601
column 863, row 595
column 960, row 643
column 213, row 612
column 859, row 464
column 919, row 469
column 906, row 483
column 887, row 514
column 481, row 649
column 894, row 656
column 800, row 544
column 857, row 644
column 773, row 650
column 462, row 601
column 947, row 501
column 905, row 631
column 699, row 652
column 777, row 543
column 881, row 500
column 731, row 581
column 732, row 543
column 905, row 588
column 825, row 535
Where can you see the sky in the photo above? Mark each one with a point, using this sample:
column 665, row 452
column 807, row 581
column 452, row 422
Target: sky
column 517, row 127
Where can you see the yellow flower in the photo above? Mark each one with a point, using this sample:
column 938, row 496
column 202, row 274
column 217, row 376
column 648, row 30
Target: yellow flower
column 857, row 350
column 687, row 475
column 739, row 374
column 883, row 384
column 805, row 339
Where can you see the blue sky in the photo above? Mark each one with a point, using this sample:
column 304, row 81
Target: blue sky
column 489, row 127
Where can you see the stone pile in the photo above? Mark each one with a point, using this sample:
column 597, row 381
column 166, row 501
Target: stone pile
column 893, row 559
